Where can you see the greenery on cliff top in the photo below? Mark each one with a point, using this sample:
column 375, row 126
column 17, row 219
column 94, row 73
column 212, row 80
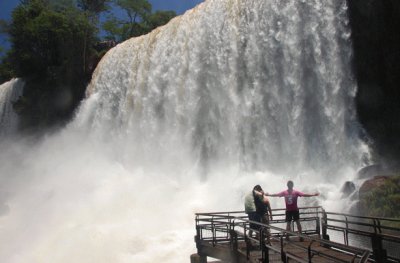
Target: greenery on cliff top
column 383, row 201
column 55, row 46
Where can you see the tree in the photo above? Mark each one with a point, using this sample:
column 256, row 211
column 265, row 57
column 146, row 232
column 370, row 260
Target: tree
column 140, row 20
column 4, row 25
column 43, row 39
column 159, row 18
column 112, row 28
column 137, row 11
column 6, row 71
column 53, row 48
column 382, row 200
column 94, row 6
column 92, row 10
column 47, row 50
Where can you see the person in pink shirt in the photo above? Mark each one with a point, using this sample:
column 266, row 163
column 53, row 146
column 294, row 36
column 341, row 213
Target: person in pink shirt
column 292, row 211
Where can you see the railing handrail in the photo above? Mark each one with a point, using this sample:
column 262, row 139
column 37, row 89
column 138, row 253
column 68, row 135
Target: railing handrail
column 284, row 231
column 227, row 221
column 242, row 211
column 364, row 217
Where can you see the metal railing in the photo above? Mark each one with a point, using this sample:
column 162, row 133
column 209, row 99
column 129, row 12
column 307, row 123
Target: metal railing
column 230, row 228
column 379, row 235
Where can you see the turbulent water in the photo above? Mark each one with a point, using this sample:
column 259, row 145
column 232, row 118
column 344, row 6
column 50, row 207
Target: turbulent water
column 9, row 93
column 188, row 118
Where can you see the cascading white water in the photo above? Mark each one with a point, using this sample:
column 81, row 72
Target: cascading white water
column 187, row 118
column 265, row 84
column 9, row 93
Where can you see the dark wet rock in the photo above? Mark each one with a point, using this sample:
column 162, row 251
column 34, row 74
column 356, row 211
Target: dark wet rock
column 370, row 171
column 373, row 184
column 354, row 196
column 380, row 196
column 348, row 189
column 375, row 35
column 355, row 208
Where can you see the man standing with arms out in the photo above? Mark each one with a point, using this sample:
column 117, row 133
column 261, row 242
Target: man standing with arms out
column 292, row 211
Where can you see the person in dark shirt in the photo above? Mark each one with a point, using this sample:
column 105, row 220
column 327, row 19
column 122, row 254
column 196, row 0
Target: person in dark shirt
column 256, row 195
column 264, row 211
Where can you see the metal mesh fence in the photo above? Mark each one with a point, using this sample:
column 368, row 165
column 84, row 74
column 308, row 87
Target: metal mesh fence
column 392, row 249
column 217, row 232
column 355, row 231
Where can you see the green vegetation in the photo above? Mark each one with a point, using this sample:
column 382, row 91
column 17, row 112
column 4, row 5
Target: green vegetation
column 55, row 48
column 383, row 201
column 50, row 46
column 140, row 20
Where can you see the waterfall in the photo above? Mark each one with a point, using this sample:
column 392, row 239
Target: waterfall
column 186, row 119
column 262, row 84
column 9, row 93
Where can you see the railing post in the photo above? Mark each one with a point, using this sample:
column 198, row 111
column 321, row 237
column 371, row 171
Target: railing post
column 247, row 241
column 199, row 257
column 283, row 254
column 214, row 241
column 234, row 246
column 380, row 254
column 264, row 248
column 197, row 238
column 324, row 220
column 346, row 232
column 196, row 258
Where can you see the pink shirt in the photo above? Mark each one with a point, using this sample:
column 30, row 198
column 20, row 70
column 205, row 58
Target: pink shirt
column 291, row 199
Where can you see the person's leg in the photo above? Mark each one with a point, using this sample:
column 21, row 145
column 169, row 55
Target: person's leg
column 288, row 222
column 258, row 227
column 298, row 226
column 251, row 226
column 296, row 217
column 268, row 231
column 288, row 229
column 299, row 229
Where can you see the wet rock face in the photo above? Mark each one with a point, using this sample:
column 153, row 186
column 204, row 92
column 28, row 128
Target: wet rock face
column 380, row 196
column 373, row 184
column 369, row 171
column 375, row 25
column 362, row 206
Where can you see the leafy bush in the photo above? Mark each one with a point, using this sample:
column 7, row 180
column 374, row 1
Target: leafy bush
column 383, row 201
column 54, row 48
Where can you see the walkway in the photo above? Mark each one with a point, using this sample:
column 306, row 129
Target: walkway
column 327, row 237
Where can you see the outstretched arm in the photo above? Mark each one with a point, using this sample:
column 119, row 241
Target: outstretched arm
column 311, row 195
column 273, row 195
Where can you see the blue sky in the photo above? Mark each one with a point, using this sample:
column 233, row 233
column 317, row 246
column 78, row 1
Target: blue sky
column 179, row 6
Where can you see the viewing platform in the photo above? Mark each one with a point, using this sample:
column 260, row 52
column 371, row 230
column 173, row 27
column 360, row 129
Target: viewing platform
column 326, row 237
